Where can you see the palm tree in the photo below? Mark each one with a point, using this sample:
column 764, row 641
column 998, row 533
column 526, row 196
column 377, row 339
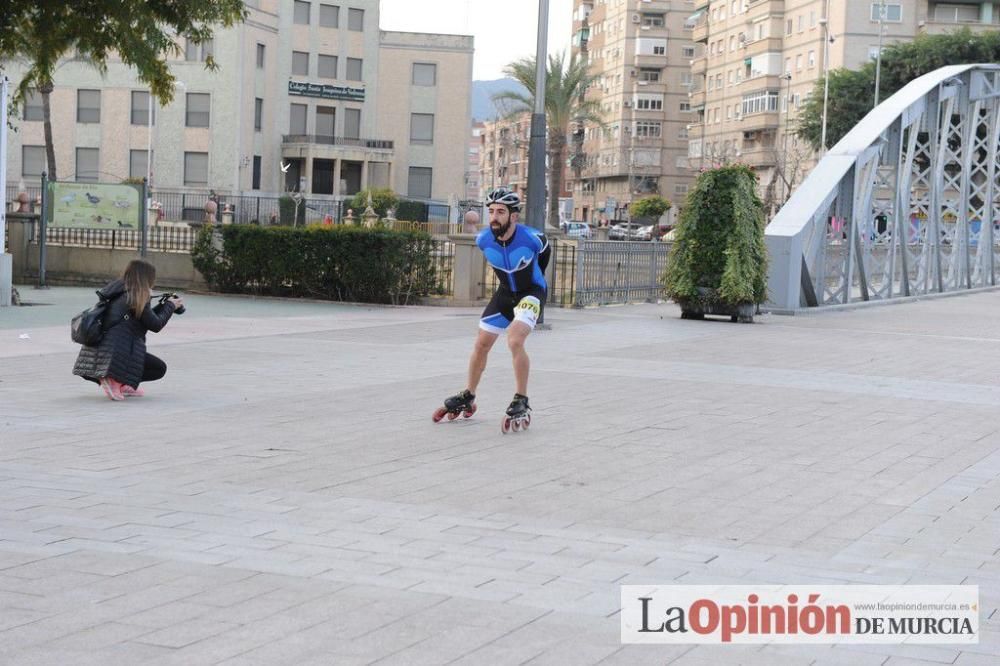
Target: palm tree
column 566, row 84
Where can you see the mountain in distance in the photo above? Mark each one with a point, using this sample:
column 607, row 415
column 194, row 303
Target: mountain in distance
column 482, row 96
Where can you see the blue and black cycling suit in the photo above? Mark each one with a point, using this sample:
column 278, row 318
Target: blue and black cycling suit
column 519, row 264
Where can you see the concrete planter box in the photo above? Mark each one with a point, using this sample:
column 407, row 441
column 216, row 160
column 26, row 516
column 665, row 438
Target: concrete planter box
column 709, row 304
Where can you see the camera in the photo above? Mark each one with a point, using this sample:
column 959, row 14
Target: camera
column 166, row 297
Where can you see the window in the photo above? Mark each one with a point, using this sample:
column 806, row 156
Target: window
column 327, row 67
column 88, row 106
column 798, row 62
column 732, row 43
column 32, row 161
column 326, row 117
column 648, row 74
column 297, row 119
column 300, row 63
column 788, row 65
column 137, row 166
column 687, row 52
column 258, row 114
column 352, row 123
column 682, row 133
column 196, row 169
column 956, row 13
column 661, row 49
column 421, row 128
column 760, row 102
column 260, row 56
column 256, row 173
column 87, row 165
column 652, row 20
column 685, row 107
column 329, row 16
column 198, row 52
column 812, row 18
column 647, row 128
column 424, row 74
column 198, row 110
column 301, row 12
column 33, row 106
column 680, row 189
column 140, row 108
column 686, row 79
column 649, row 103
column 811, row 59
column 802, row 23
column 354, row 69
column 419, row 182
column 356, row 19
column 788, row 27
column 893, row 12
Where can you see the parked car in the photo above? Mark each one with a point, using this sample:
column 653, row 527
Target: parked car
column 578, row 230
column 643, row 233
column 622, row 231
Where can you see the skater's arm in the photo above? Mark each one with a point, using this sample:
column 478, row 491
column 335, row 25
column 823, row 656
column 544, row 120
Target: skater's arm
column 544, row 253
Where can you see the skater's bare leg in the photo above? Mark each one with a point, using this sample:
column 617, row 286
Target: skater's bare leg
column 477, row 362
column 517, row 333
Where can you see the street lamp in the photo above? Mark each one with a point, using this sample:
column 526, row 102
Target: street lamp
column 827, row 40
column 878, row 56
column 787, row 76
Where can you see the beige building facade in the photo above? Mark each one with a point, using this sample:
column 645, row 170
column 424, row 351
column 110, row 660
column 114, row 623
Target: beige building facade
column 312, row 87
column 758, row 60
column 640, row 51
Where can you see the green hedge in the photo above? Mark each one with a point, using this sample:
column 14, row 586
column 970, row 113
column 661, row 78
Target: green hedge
column 341, row 263
column 719, row 252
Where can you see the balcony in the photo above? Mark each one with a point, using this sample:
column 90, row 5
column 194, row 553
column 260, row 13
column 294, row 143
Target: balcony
column 699, row 65
column 758, row 157
column 653, row 6
column 760, row 121
column 697, row 98
column 939, row 27
column 321, row 140
column 762, row 82
column 699, row 31
column 649, row 60
column 761, row 46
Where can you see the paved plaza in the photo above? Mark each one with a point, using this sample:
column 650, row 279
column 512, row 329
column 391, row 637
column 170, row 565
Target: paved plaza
column 282, row 496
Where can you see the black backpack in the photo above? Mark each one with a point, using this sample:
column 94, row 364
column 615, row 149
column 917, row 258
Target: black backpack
column 87, row 328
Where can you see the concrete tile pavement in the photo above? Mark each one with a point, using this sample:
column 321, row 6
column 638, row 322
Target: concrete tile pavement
column 283, row 497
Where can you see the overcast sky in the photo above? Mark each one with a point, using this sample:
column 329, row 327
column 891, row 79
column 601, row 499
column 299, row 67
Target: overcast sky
column 505, row 30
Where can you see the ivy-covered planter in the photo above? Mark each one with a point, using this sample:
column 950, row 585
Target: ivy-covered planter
column 718, row 263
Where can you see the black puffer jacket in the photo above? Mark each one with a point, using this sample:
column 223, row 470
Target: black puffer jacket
column 122, row 351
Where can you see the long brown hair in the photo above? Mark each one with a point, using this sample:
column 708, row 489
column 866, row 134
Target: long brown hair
column 139, row 277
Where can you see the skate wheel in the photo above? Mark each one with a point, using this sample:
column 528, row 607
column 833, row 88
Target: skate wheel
column 452, row 416
column 505, row 425
column 527, row 422
column 515, row 425
column 469, row 412
column 439, row 414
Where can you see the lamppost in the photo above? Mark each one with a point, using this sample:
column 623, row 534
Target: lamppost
column 878, row 56
column 787, row 77
column 827, row 40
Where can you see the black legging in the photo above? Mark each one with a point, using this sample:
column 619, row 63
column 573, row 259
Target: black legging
column 153, row 368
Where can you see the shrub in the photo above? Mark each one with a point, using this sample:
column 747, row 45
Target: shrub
column 382, row 200
column 719, row 253
column 653, row 206
column 412, row 211
column 287, row 215
column 342, row 263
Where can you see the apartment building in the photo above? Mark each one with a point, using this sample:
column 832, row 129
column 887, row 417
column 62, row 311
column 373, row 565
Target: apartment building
column 313, row 86
column 758, row 60
column 503, row 153
column 640, row 51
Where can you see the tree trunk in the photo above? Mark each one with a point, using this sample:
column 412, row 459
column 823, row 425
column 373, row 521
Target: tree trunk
column 50, row 152
column 557, row 149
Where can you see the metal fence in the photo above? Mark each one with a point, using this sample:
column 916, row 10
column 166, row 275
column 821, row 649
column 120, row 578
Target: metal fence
column 619, row 271
column 160, row 238
column 443, row 260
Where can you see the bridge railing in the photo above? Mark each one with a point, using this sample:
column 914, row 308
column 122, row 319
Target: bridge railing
column 906, row 204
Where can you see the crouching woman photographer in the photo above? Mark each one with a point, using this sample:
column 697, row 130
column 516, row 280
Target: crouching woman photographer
column 119, row 362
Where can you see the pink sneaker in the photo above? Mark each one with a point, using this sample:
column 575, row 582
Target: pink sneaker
column 112, row 388
column 130, row 392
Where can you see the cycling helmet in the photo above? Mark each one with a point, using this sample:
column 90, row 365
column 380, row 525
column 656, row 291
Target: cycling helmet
column 505, row 196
